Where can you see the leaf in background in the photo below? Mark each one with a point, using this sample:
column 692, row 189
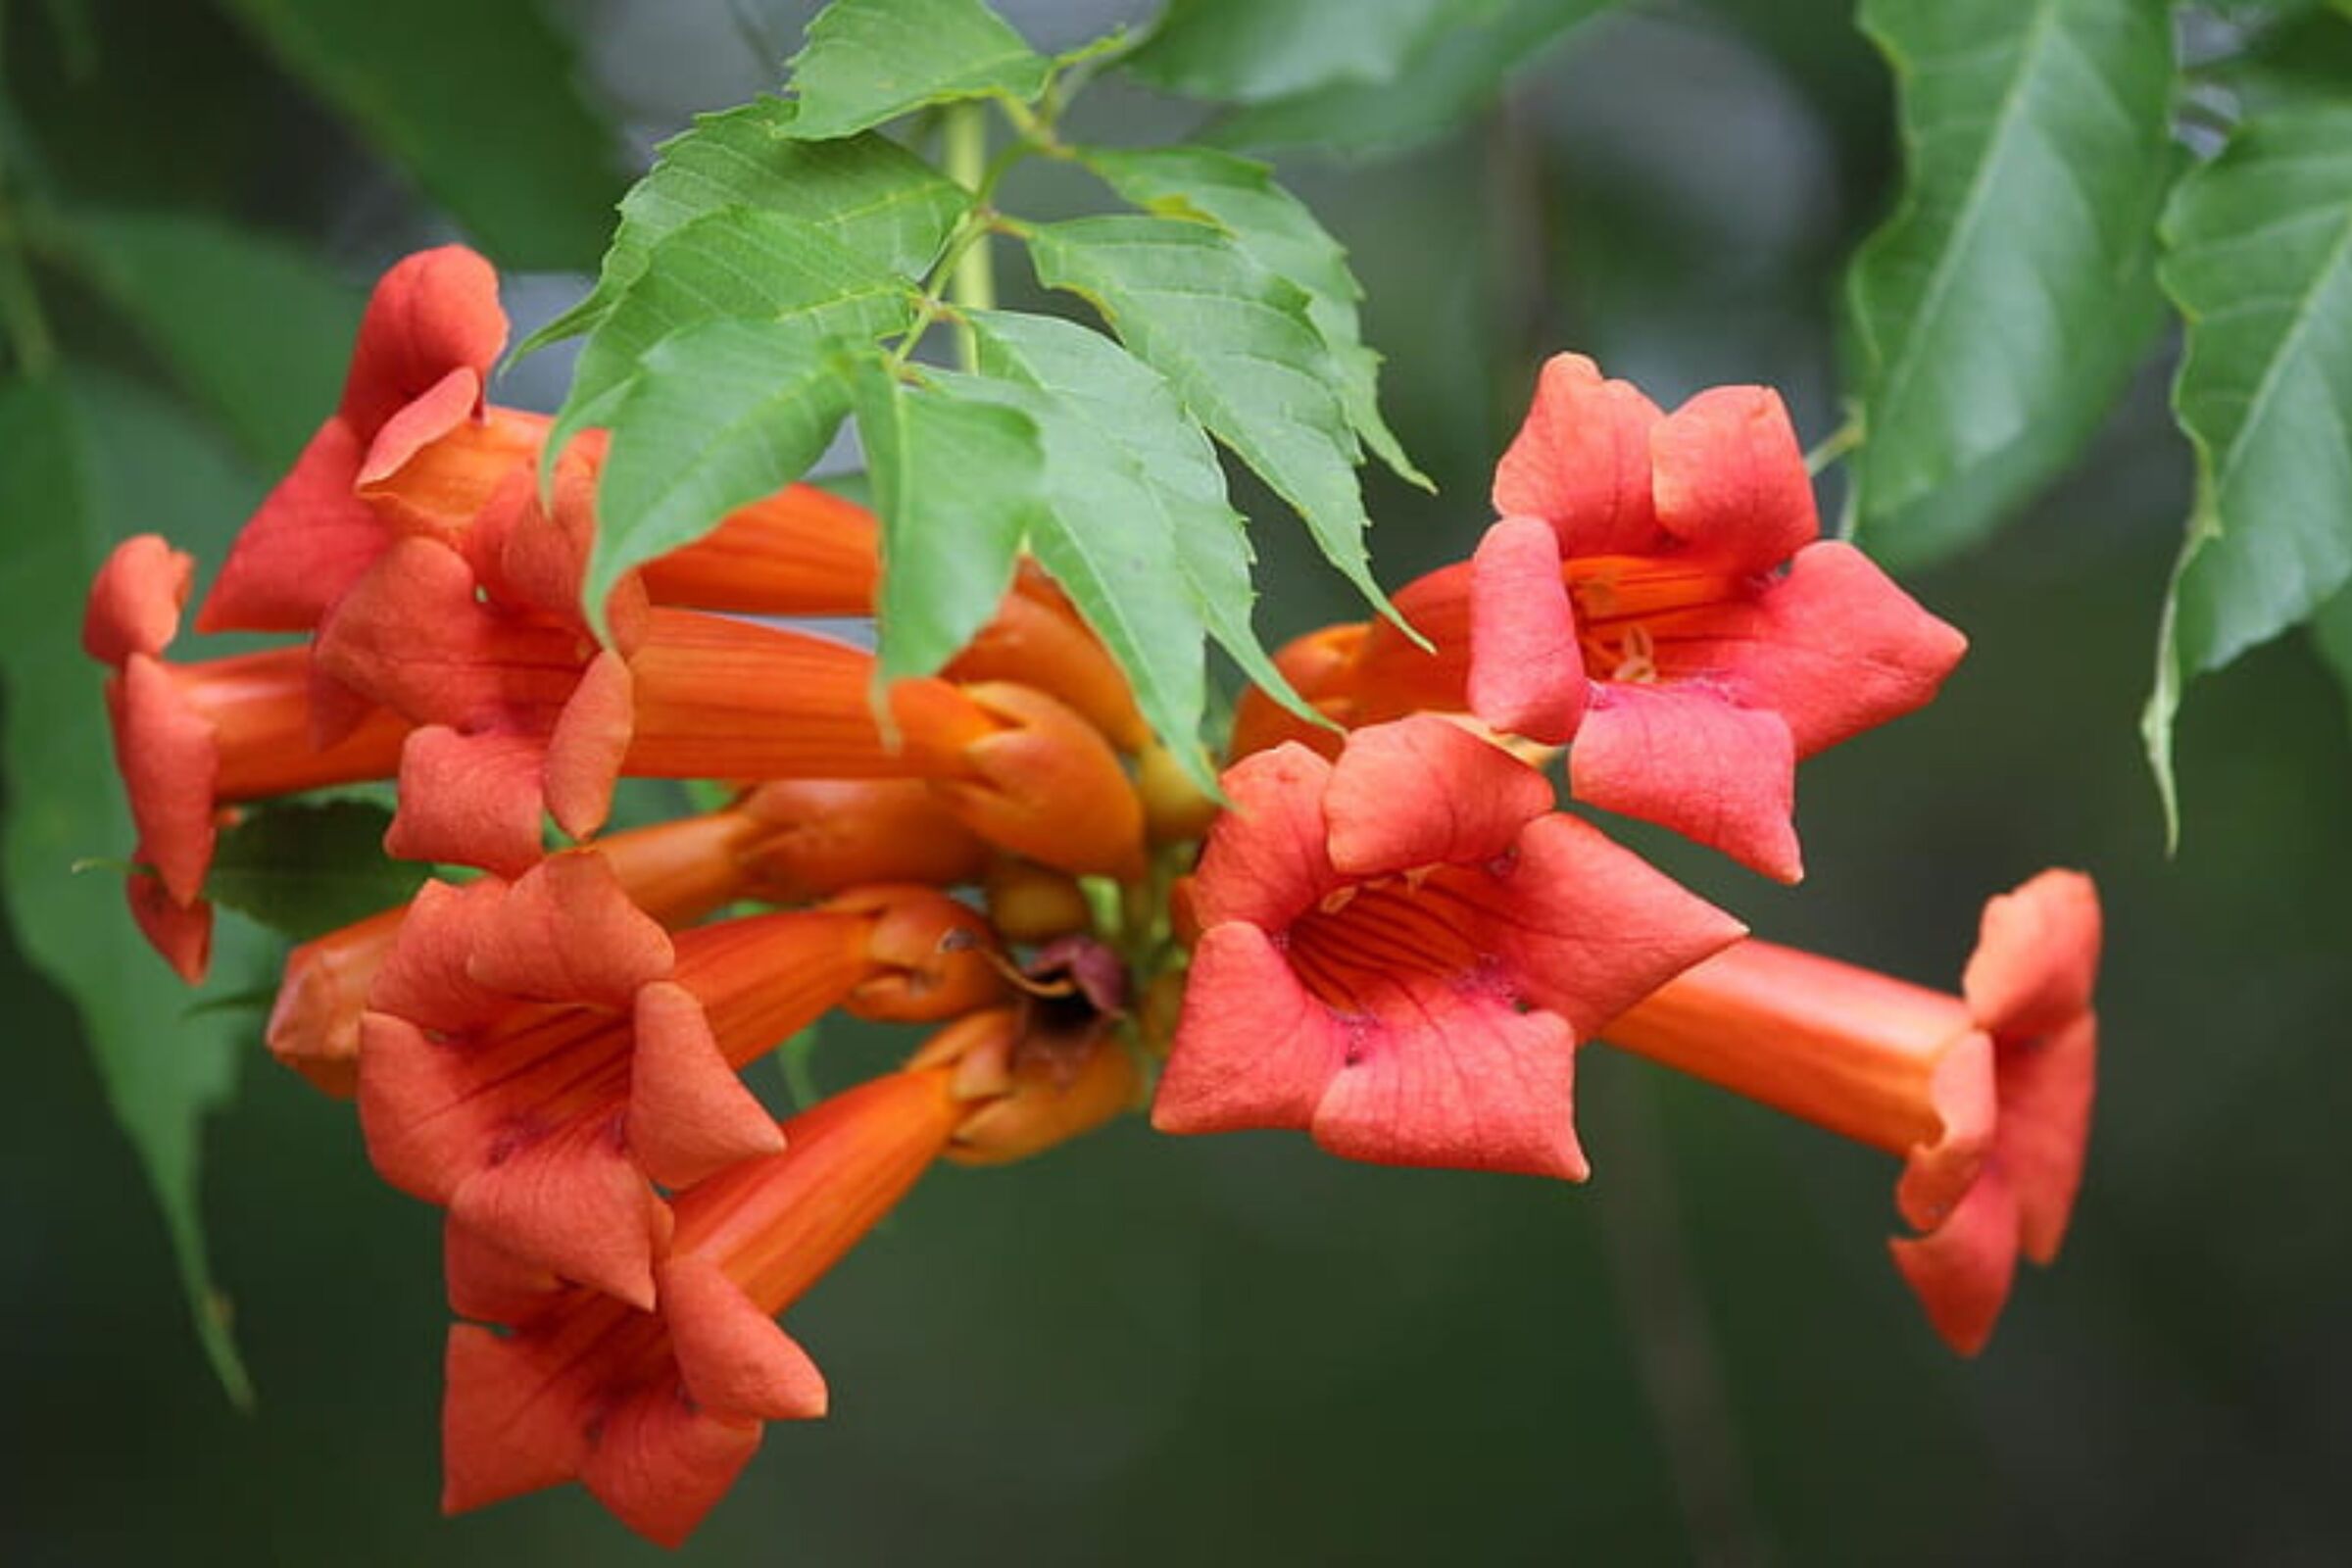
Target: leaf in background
column 1996, row 315
column 868, row 60
column 303, row 868
column 1245, row 51
column 738, row 263
column 1236, row 343
column 880, row 201
column 958, row 486
column 91, row 462
column 2331, row 631
column 477, row 102
column 720, row 414
column 1103, row 535
column 2258, row 256
column 1179, row 489
column 256, row 330
column 1275, row 230
column 1457, row 69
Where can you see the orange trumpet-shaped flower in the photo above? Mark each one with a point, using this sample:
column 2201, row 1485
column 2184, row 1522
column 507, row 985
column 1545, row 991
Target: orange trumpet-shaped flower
column 519, row 711
column 783, row 843
column 1401, row 951
column 191, row 739
column 535, row 1057
column 657, row 1413
column 1657, row 593
column 412, row 432
column 1985, row 1095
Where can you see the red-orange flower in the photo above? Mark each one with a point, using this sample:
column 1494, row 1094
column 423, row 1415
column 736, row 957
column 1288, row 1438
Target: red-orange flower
column 783, row 843
column 536, row 1057
column 412, row 446
column 1633, row 597
column 1985, row 1095
column 657, row 1413
column 1657, row 593
column 1401, row 951
column 192, row 739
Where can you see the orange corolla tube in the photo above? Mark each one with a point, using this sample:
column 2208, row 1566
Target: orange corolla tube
column 520, row 712
column 1985, row 1095
column 193, row 739
column 657, row 1413
column 535, row 1057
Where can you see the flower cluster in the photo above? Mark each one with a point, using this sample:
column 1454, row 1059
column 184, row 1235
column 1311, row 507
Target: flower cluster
column 1389, row 934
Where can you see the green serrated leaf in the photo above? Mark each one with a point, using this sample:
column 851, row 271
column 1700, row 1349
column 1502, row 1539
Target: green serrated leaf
column 719, row 416
column 2258, row 257
column 868, row 60
column 1236, row 343
column 1996, row 315
column 1455, row 70
column 1245, row 51
column 480, row 103
column 1102, row 537
column 94, row 461
column 256, row 330
column 1132, row 408
column 1277, row 231
column 737, row 264
column 880, row 201
column 306, row 868
column 958, row 486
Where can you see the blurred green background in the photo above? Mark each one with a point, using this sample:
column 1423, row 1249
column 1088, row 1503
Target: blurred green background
column 1148, row 1350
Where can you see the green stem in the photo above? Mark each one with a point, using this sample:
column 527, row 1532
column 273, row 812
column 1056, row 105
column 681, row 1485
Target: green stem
column 1837, row 444
column 974, row 283
column 30, row 340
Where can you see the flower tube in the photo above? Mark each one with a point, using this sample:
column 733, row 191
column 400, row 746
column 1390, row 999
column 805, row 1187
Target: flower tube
column 1985, row 1095
column 193, row 739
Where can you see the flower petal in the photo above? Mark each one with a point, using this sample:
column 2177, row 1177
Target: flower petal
column 2046, row 1092
column 1834, row 647
column 136, row 599
column 1694, row 761
column 1963, row 1270
column 1730, row 479
column 1266, row 861
column 511, row 1424
column 1527, row 673
column 432, row 313
column 1423, row 791
column 1252, row 1047
column 1581, row 462
column 470, row 799
column 1470, row 1084
column 567, row 931
column 690, row 1115
column 734, row 1359
column 170, row 757
column 1586, row 928
column 573, row 1201
column 301, row 550
column 2038, row 955
column 661, row 1463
